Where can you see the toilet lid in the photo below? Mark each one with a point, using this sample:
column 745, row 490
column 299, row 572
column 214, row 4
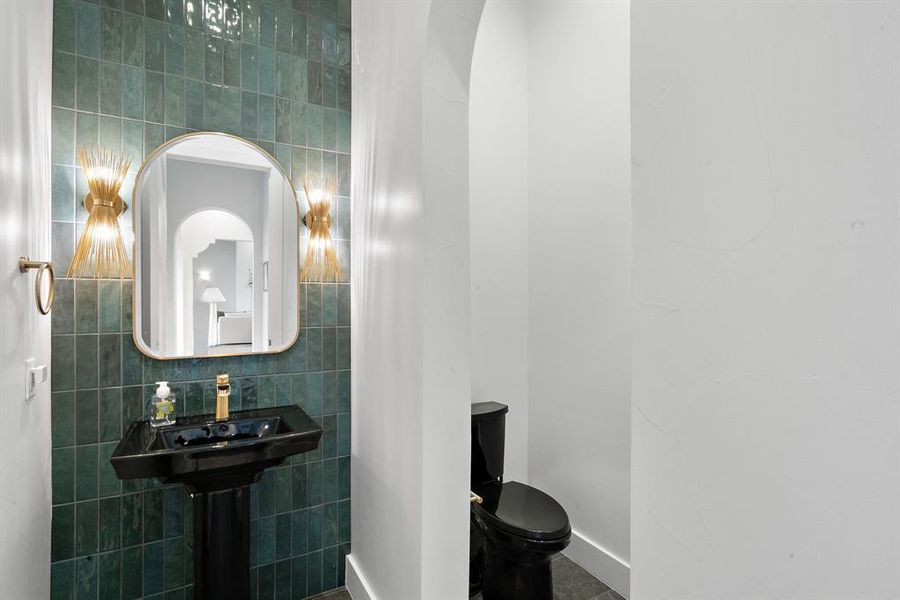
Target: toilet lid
column 522, row 510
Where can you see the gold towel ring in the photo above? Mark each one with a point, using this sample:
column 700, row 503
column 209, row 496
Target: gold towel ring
column 26, row 264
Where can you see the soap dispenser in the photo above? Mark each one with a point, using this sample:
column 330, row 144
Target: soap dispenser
column 162, row 406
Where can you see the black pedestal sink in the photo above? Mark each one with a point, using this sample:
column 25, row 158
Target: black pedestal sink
column 217, row 461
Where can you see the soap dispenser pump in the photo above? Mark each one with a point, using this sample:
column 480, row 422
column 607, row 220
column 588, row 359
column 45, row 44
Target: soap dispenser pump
column 162, row 406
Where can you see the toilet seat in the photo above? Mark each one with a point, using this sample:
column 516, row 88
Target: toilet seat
column 522, row 511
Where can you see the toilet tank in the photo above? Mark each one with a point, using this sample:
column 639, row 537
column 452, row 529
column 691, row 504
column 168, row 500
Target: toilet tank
column 488, row 438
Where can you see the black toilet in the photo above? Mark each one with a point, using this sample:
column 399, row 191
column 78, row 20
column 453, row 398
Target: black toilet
column 516, row 529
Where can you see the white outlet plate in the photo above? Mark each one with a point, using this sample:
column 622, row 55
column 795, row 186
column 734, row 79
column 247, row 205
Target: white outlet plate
column 34, row 375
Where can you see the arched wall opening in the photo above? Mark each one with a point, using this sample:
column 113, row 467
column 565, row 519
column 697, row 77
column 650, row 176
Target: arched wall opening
column 550, row 258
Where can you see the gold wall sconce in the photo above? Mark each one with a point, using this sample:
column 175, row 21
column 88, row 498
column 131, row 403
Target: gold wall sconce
column 321, row 263
column 101, row 251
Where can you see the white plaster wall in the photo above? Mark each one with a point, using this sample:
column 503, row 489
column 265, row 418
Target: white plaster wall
column 767, row 286
column 579, row 274
column 498, row 205
column 25, row 58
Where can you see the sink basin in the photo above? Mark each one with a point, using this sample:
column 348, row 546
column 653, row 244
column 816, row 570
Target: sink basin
column 208, row 455
column 217, row 461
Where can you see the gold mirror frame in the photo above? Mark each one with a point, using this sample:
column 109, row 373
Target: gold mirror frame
column 138, row 342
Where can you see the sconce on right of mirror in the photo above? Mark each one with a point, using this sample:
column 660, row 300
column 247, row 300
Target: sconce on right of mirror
column 321, row 263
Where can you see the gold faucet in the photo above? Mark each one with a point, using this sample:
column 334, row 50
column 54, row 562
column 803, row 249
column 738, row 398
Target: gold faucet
column 223, row 389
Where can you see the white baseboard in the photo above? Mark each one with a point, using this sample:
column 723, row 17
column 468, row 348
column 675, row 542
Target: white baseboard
column 599, row 562
column 356, row 582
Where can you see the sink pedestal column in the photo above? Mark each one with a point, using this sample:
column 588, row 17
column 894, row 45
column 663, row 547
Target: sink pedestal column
column 222, row 544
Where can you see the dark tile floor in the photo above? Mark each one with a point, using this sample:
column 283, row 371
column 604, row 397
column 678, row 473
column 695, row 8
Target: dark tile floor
column 570, row 582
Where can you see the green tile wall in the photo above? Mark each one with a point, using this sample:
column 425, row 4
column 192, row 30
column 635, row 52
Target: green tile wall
column 130, row 74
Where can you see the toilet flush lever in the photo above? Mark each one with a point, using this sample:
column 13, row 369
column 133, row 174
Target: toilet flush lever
column 475, row 498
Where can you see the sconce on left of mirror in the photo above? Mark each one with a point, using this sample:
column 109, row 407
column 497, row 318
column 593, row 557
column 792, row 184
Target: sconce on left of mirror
column 100, row 252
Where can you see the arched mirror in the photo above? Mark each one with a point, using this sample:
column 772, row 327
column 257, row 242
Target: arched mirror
column 216, row 250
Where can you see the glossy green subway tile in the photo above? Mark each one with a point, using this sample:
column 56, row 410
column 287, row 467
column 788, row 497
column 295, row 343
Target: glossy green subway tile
column 193, row 14
column 110, row 575
column 266, row 66
column 299, row 532
column 343, row 434
column 194, row 92
column 153, row 567
column 329, row 480
column 62, row 580
column 232, row 19
column 299, row 494
column 329, row 393
column 64, row 25
column 231, row 70
column 132, row 519
column 111, row 89
column 63, row 137
column 175, row 11
column 133, row 6
column 249, row 21
column 86, row 528
column 62, row 407
column 343, row 477
column 267, row 23
column 329, row 567
column 133, row 40
column 329, row 129
column 282, row 536
column 88, row 29
column 110, row 35
column 153, row 515
column 86, row 361
column 195, row 53
column 62, row 209
column 86, row 582
column 133, row 94
column 154, row 45
column 343, row 391
column 266, row 583
column 328, row 443
column 154, row 97
column 213, row 18
column 314, row 573
column 314, row 397
column 249, row 115
column 110, row 133
column 298, row 576
column 110, row 302
column 62, row 532
column 342, row 354
column 343, row 90
column 154, row 136
column 175, row 43
column 266, row 540
column 175, row 101
column 132, row 573
column 155, row 9
column 86, row 482
column 266, row 122
column 315, row 74
column 283, row 579
column 213, row 61
column 283, row 485
column 110, row 414
column 63, row 475
column 109, row 522
column 314, row 483
column 87, row 132
column 110, row 360
column 86, row 416
column 314, row 38
column 298, row 44
column 284, row 72
column 284, row 26
column 87, row 88
column 314, row 358
column 64, row 80
column 62, row 362
column 329, row 86
column 329, row 42
column 173, row 563
column 109, row 484
column 173, row 511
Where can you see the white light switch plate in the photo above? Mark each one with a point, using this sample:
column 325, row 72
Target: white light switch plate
column 34, row 374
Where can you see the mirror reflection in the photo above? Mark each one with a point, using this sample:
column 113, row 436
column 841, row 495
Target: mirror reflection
column 216, row 250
